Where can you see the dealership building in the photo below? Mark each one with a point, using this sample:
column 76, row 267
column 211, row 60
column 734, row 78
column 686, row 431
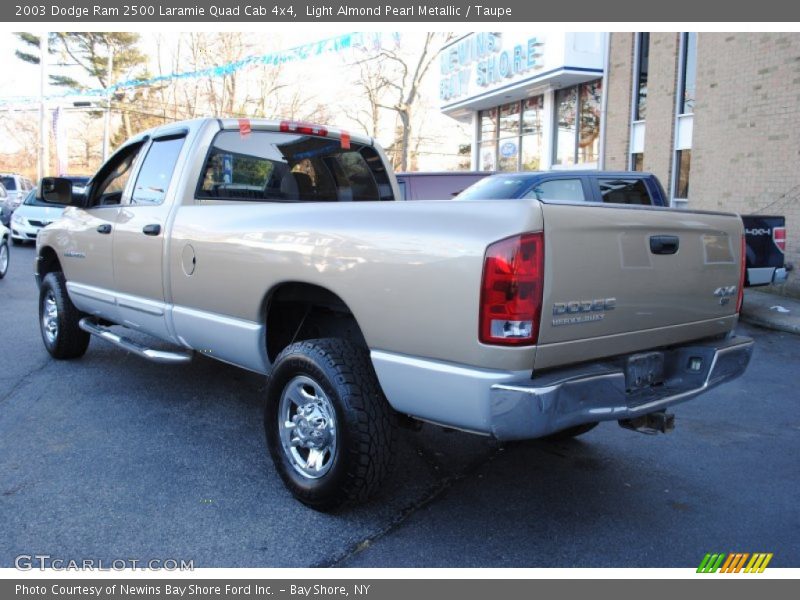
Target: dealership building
column 715, row 116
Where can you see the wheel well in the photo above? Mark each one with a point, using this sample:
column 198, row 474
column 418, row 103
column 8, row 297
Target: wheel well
column 301, row 311
column 46, row 262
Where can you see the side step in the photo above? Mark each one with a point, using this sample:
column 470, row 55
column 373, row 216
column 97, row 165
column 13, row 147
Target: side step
column 159, row 356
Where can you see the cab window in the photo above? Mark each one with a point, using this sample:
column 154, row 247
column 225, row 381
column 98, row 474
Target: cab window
column 622, row 190
column 156, row 173
column 270, row 166
column 570, row 190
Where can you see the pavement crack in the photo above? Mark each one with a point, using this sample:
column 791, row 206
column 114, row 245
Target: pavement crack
column 433, row 493
column 23, row 380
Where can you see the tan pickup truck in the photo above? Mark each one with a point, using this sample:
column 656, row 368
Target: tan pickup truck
column 280, row 248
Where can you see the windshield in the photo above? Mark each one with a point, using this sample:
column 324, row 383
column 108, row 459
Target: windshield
column 497, row 187
column 9, row 183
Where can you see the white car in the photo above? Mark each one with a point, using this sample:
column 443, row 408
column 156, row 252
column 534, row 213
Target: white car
column 5, row 234
column 17, row 188
column 32, row 215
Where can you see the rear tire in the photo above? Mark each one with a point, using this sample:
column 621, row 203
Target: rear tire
column 58, row 319
column 570, row 432
column 328, row 425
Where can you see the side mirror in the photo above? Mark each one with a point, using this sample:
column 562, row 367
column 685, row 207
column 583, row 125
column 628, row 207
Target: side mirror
column 56, row 190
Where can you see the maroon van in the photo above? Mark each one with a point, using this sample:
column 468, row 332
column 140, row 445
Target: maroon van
column 442, row 185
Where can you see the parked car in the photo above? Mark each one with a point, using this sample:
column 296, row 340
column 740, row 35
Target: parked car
column 423, row 185
column 17, row 186
column 279, row 247
column 5, row 254
column 5, row 210
column 29, row 219
column 765, row 236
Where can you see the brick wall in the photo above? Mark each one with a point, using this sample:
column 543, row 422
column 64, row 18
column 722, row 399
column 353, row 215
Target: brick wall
column 660, row 112
column 746, row 139
column 618, row 106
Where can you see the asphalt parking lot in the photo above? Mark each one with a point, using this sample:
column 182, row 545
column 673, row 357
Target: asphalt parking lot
column 111, row 457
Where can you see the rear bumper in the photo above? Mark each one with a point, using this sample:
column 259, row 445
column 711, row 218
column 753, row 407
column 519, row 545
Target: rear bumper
column 554, row 401
column 766, row 275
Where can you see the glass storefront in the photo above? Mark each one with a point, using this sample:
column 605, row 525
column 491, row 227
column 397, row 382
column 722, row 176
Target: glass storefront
column 512, row 135
column 578, row 124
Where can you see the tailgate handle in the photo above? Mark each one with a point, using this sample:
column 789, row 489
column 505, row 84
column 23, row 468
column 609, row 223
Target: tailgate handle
column 664, row 244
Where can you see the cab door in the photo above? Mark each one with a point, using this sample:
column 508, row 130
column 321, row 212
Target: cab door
column 87, row 233
column 139, row 246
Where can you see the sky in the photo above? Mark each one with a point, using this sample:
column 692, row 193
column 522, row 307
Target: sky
column 320, row 77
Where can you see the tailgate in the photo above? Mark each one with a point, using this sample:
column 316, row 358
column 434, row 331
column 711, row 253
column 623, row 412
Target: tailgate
column 621, row 279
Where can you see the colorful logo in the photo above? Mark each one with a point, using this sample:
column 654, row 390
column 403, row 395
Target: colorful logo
column 735, row 562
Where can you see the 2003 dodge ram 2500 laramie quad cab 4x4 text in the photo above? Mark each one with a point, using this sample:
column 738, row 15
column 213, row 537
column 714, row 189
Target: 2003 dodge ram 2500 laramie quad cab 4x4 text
column 280, row 248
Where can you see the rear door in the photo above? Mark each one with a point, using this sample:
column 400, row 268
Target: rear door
column 139, row 253
column 621, row 278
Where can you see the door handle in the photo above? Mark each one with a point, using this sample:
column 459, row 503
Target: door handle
column 104, row 228
column 152, row 229
column 664, row 244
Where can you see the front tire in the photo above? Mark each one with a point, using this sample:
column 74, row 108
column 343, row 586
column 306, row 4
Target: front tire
column 329, row 428
column 5, row 257
column 58, row 319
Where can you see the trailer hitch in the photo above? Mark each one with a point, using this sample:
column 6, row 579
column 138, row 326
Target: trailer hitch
column 651, row 423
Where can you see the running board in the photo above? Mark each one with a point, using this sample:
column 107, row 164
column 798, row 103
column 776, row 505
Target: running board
column 159, row 356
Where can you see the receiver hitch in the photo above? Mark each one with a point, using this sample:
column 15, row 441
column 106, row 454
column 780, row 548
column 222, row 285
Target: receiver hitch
column 650, row 423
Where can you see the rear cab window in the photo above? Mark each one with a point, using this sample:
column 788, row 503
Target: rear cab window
column 624, row 190
column 9, row 183
column 270, row 166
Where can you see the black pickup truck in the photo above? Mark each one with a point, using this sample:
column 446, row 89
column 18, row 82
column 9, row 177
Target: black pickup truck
column 765, row 237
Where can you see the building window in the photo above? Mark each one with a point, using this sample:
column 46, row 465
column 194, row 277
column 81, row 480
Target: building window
column 488, row 142
column 511, row 136
column 589, row 132
column 508, row 141
column 566, row 112
column 577, row 138
column 531, row 146
column 642, row 63
column 637, row 161
column 684, row 161
column 689, row 74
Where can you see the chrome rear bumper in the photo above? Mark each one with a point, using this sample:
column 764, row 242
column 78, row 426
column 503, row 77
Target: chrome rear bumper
column 560, row 399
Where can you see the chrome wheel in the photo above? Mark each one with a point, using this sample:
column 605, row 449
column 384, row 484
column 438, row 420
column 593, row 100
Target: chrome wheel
column 3, row 258
column 50, row 317
column 307, row 427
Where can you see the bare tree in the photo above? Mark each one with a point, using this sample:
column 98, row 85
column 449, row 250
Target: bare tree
column 394, row 81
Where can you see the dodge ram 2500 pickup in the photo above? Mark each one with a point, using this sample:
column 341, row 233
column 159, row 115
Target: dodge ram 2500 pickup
column 280, row 248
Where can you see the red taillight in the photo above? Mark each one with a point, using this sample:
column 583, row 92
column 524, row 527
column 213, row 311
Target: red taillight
column 779, row 237
column 511, row 291
column 304, row 128
column 742, row 261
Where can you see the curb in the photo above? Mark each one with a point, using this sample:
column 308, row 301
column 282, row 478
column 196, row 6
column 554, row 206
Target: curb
column 758, row 321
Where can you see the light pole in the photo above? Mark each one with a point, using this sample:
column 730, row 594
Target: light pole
column 43, row 164
column 107, row 116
